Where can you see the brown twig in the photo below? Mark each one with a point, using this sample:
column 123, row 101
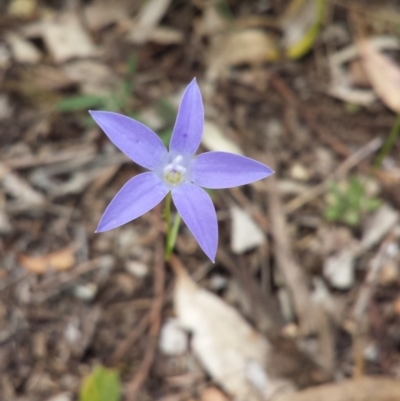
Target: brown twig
column 309, row 116
column 360, row 324
column 132, row 337
column 292, row 272
column 264, row 307
column 140, row 377
column 353, row 160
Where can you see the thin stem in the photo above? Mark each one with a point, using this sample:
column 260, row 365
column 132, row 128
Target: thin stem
column 388, row 145
column 172, row 237
column 172, row 229
column 167, row 217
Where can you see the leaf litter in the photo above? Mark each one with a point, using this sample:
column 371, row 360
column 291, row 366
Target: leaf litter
column 71, row 300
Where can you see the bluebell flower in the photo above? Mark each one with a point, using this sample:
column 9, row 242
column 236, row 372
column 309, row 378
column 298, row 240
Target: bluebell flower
column 178, row 170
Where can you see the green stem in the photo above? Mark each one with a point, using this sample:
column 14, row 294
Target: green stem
column 389, row 143
column 167, row 214
column 172, row 229
column 172, row 237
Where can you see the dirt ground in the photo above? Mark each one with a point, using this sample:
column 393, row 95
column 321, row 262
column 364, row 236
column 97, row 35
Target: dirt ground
column 308, row 262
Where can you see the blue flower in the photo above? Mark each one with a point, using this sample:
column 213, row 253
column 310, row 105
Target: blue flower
column 177, row 170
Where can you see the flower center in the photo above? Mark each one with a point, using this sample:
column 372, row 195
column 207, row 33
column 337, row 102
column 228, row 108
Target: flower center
column 174, row 172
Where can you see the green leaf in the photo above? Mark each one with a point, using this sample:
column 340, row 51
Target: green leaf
column 352, row 218
column 372, row 204
column 300, row 30
column 349, row 202
column 333, row 214
column 101, row 385
column 80, row 102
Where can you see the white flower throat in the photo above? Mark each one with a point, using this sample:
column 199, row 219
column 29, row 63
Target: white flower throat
column 175, row 172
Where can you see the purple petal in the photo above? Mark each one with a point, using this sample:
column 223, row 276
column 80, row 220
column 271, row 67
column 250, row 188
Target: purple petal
column 188, row 129
column 133, row 138
column 226, row 170
column 197, row 211
column 136, row 197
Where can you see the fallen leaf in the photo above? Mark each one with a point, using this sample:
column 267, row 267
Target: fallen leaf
column 66, row 38
column 343, row 83
column 22, row 50
column 363, row 389
column 387, row 84
column 19, row 189
column 230, row 350
column 378, row 225
column 245, row 233
column 100, row 14
column 101, row 385
column 148, row 19
column 211, row 22
column 214, row 139
column 245, row 46
column 60, row 260
column 94, row 77
column 301, row 24
column 22, row 8
column 164, row 35
column 249, row 46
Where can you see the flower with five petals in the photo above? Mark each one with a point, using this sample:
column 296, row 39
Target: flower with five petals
column 177, row 170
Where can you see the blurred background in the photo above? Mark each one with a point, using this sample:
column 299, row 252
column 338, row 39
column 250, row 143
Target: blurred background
column 303, row 302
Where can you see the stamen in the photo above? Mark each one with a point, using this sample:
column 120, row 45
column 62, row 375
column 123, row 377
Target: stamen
column 174, row 172
column 177, row 159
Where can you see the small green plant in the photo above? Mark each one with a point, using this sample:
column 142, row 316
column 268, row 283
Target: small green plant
column 348, row 202
column 117, row 101
column 101, row 385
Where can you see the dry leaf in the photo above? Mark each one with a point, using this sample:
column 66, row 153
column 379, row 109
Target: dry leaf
column 164, row 35
column 149, row 17
column 384, row 75
column 343, row 81
column 245, row 233
column 378, row 225
column 94, row 77
column 230, row 350
column 20, row 189
column 250, row 46
column 363, row 389
column 100, row 14
column 214, row 139
column 22, row 8
column 211, row 22
column 66, row 38
column 301, row 24
column 22, row 50
column 60, row 260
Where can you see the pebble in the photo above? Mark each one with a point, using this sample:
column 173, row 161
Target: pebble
column 299, row 172
column 339, row 270
column 389, row 274
column 61, row 397
column 85, row 292
column 136, row 268
column 173, row 339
